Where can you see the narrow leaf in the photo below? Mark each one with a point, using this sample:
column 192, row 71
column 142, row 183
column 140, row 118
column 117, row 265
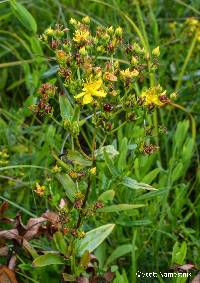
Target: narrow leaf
column 119, row 207
column 24, row 16
column 65, row 108
column 133, row 223
column 149, row 178
column 110, row 164
column 60, row 242
column 133, row 184
column 47, row 259
column 94, row 238
column 118, row 252
column 68, row 185
column 107, row 196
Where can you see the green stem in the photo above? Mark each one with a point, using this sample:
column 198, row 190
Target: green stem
column 80, row 148
column 114, row 130
column 23, row 166
column 193, row 123
column 187, row 58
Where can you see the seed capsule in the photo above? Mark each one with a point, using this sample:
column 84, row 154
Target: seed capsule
column 107, row 107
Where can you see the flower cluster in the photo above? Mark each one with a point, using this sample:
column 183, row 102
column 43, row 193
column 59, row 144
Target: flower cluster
column 4, row 157
column 192, row 27
column 89, row 66
column 186, row 30
column 46, row 92
column 154, row 96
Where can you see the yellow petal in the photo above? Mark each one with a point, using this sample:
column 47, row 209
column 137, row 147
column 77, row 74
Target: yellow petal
column 87, row 99
column 79, row 95
column 97, row 84
column 99, row 93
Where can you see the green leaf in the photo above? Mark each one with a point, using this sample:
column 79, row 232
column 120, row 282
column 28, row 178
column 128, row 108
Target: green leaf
column 179, row 253
column 107, row 196
column 47, row 259
column 153, row 194
column 85, row 259
column 177, row 172
column 119, row 207
column 109, row 149
column 151, row 176
column 60, row 242
column 66, row 109
column 118, row 252
column 123, row 153
column 133, row 184
column 78, row 159
column 187, row 150
column 94, row 238
column 68, row 185
column 133, row 223
column 121, row 278
column 110, row 164
column 28, row 102
column 180, row 133
column 24, row 16
column 68, row 277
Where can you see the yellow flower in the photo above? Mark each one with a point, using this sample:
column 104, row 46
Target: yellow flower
column 81, row 234
column 61, row 56
column 49, row 31
column 118, row 31
column 83, row 51
column 40, row 190
column 93, row 170
column 86, row 20
column 81, row 35
column 134, row 60
column 91, row 89
column 110, row 77
column 156, row 51
column 73, row 21
column 79, row 196
column 127, row 74
column 151, row 96
column 110, row 29
column 73, row 174
column 56, row 169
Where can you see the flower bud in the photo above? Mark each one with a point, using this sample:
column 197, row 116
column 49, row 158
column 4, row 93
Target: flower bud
column 86, row 20
column 118, row 31
column 156, row 51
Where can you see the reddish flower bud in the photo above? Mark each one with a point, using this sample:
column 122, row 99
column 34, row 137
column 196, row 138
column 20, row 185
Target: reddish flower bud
column 107, row 107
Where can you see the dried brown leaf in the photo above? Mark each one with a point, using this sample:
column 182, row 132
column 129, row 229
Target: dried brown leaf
column 4, row 251
column 12, row 262
column 7, row 275
column 33, row 227
column 9, row 234
column 51, row 217
column 186, row 267
column 3, row 207
column 83, row 280
column 196, row 279
column 109, row 276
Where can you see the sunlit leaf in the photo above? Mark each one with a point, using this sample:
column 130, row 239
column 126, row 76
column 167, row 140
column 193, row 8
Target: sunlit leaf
column 68, row 185
column 94, row 238
column 119, row 207
column 118, row 252
column 24, row 16
column 107, row 196
column 133, row 184
column 47, row 259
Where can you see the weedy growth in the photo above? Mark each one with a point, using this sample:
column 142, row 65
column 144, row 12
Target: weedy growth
column 96, row 91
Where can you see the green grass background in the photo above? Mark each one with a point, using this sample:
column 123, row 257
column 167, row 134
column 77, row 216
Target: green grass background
column 171, row 214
